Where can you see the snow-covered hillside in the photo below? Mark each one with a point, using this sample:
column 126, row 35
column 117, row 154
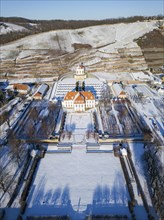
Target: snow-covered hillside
column 9, row 27
column 96, row 36
column 104, row 47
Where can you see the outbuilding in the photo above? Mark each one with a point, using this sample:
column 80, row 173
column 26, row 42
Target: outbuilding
column 40, row 92
column 118, row 91
column 21, row 88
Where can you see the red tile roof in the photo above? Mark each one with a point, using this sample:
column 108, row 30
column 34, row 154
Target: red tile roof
column 81, row 66
column 70, row 95
column 88, row 95
column 20, row 86
column 80, row 99
column 38, row 94
column 122, row 93
column 85, row 95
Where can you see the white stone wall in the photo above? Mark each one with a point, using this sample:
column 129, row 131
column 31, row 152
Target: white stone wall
column 68, row 104
column 22, row 91
column 79, row 107
column 90, row 103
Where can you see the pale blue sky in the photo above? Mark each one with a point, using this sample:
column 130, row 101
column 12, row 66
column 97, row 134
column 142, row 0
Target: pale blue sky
column 80, row 9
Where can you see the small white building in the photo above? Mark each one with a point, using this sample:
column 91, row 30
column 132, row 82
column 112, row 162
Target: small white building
column 161, row 91
column 80, row 73
column 118, row 91
column 21, row 88
column 79, row 101
column 41, row 91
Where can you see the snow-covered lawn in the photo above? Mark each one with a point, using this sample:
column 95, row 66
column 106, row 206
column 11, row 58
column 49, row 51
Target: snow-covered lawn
column 80, row 180
column 147, row 92
column 78, row 124
column 141, row 76
column 109, row 76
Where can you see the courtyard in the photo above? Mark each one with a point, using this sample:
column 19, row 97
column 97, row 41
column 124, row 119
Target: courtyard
column 79, row 128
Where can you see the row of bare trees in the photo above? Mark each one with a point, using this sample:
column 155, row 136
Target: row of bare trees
column 5, row 178
column 38, row 124
column 5, row 116
column 91, row 134
column 66, row 134
column 15, row 155
column 50, row 120
column 155, row 171
column 16, row 149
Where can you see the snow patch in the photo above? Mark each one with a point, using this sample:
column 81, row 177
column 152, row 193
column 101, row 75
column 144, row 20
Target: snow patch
column 9, row 27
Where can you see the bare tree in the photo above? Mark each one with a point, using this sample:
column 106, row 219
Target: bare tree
column 45, row 127
column 6, row 117
column 156, row 177
column 15, row 148
column 88, row 133
column 69, row 133
column 34, row 114
column 5, row 178
column 51, row 107
column 30, row 133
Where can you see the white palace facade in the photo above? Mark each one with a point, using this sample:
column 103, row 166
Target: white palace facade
column 80, row 73
column 79, row 101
